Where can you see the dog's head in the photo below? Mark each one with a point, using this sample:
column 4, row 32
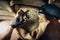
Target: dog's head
column 33, row 22
column 28, row 17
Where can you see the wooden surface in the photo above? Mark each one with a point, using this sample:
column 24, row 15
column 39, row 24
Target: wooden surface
column 6, row 15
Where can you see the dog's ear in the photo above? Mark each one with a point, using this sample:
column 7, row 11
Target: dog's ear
column 21, row 11
column 27, row 11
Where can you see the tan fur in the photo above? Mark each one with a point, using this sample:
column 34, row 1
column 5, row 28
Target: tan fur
column 43, row 22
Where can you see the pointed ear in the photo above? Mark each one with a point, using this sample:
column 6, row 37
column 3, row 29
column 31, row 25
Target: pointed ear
column 27, row 11
column 21, row 10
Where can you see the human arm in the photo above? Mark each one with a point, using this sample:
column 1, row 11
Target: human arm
column 7, row 33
